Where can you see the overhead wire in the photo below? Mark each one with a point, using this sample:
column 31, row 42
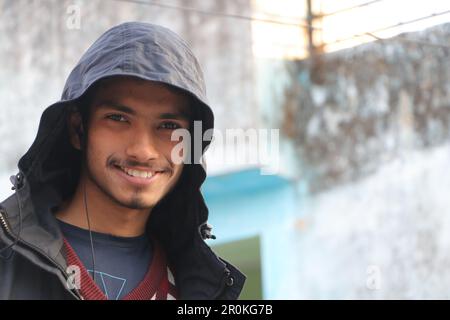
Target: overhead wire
column 371, row 34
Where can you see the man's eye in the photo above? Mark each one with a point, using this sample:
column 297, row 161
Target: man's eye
column 170, row 125
column 117, row 117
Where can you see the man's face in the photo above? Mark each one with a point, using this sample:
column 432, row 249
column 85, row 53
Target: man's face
column 129, row 140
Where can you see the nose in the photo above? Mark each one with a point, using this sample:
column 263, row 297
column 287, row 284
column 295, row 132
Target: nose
column 142, row 146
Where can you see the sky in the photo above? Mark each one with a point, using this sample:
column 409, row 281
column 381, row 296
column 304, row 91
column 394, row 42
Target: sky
column 272, row 40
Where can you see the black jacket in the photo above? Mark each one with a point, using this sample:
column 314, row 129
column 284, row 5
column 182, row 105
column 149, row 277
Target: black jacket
column 32, row 262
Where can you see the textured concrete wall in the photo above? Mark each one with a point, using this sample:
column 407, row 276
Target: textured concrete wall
column 352, row 110
column 369, row 127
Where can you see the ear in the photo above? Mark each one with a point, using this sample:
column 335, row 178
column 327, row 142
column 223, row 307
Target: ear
column 75, row 127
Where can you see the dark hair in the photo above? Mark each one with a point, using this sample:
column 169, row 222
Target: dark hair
column 84, row 102
column 83, row 106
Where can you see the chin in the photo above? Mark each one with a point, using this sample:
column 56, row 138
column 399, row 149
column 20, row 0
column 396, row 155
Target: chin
column 140, row 202
column 137, row 204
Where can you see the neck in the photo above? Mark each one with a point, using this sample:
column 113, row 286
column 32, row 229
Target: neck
column 105, row 215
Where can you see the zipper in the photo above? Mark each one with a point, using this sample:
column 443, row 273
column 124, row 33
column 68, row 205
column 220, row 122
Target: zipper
column 6, row 227
column 4, row 223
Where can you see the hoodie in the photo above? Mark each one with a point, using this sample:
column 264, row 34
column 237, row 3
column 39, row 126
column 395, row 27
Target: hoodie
column 33, row 264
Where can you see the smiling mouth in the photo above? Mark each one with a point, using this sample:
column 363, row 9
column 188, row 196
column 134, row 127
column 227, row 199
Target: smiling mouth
column 143, row 174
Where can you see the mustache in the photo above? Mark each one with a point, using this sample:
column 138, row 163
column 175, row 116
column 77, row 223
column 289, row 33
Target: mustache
column 132, row 163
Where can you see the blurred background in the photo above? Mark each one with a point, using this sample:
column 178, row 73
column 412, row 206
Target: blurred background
column 360, row 91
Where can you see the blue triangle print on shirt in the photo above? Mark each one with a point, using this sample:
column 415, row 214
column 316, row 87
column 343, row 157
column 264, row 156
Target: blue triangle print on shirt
column 111, row 286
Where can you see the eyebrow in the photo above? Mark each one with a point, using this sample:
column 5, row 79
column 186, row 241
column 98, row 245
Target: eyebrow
column 180, row 115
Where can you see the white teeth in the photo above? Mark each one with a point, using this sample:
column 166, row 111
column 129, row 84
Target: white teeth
column 137, row 173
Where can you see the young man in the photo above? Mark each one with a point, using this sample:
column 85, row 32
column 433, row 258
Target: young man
column 101, row 208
